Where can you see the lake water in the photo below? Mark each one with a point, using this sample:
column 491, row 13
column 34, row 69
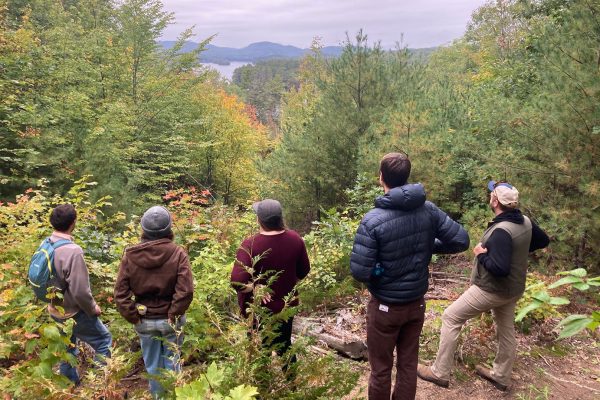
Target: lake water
column 226, row 71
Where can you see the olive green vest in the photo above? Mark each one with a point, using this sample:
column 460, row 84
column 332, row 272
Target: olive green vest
column 514, row 284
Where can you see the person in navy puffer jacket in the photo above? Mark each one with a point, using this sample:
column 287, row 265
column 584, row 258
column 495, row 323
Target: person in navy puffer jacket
column 391, row 254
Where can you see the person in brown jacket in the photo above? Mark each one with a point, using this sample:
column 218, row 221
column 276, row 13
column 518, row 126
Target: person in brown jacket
column 153, row 291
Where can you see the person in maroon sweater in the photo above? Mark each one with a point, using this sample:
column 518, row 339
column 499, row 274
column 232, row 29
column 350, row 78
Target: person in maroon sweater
column 279, row 251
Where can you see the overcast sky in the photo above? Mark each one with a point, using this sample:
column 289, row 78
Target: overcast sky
column 237, row 23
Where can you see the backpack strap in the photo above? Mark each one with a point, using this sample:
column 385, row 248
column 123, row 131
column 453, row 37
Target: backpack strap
column 41, row 250
column 60, row 243
column 56, row 245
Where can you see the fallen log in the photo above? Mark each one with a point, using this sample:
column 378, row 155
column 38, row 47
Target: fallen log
column 449, row 280
column 435, row 297
column 352, row 346
column 437, row 275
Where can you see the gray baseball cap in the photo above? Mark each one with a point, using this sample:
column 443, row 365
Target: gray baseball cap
column 267, row 209
column 156, row 222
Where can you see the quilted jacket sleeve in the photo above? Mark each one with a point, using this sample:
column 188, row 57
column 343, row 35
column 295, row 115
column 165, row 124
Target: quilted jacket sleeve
column 450, row 236
column 364, row 253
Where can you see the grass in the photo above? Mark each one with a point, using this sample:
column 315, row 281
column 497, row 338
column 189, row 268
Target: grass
column 556, row 350
column 430, row 335
column 534, row 393
column 461, row 375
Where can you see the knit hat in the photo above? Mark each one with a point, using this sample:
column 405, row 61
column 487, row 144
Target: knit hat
column 156, row 222
column 507, row 194
column 267, row 210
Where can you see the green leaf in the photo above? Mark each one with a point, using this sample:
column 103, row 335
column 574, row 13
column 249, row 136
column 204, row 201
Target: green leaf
column 214, row 375
column 573, row 324
column 30, row 346
column 564, row 281
column 194, row 390
column 525, row 310
column 558, row 301
column 243, row 392
column 43, row 369
column 580, row 272
column 594, row 281
column 542, row 296
column 571, row 318
column 581, row 286
column 51, row 332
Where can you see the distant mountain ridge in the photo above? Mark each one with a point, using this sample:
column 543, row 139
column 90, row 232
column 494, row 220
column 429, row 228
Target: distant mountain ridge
column 251, row 53
column 258, row 51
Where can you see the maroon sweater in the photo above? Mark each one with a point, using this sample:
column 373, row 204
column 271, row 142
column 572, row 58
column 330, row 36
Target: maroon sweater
column 284, row 253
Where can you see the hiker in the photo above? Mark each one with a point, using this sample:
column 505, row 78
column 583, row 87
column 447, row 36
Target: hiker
column 71, row 279
column 497, row 283
column 153, row 291
column 391, row 254
column 279, row 250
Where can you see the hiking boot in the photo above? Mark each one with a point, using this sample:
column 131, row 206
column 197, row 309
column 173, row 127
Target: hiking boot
column 486, row 373
column 424, row 372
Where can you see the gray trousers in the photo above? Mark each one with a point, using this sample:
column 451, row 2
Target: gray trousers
column 470, row 304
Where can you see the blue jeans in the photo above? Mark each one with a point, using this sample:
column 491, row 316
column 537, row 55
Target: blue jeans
column 91, row 331
column 160, row 348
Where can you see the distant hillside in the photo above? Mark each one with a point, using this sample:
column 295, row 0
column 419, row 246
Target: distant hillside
column 251, row 53
column 260, row 51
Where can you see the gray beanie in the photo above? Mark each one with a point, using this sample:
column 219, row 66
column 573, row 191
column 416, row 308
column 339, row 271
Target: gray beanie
column 156, row 222
column 268, row 210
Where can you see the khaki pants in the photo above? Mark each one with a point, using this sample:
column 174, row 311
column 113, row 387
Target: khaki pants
column 472, row 303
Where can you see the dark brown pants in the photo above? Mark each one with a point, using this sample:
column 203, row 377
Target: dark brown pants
column 394, row 326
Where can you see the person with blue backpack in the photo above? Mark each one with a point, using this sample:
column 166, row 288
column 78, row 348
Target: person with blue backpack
column 58, row 267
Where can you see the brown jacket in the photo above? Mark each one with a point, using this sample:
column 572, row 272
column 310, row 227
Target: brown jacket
column 156, row 274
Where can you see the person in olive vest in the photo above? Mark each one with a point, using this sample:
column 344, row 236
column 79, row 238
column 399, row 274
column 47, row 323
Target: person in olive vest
column 497, row 282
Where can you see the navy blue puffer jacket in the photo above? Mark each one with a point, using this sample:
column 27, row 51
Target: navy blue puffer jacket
column 401, row 233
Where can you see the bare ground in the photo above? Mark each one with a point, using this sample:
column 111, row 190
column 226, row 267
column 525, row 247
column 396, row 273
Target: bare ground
column 545, row 368
column 566, row 377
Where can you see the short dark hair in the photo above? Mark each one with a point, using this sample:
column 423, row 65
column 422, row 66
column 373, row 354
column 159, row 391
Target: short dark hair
column 504, row 208
column 62, row 217
column 273, row 224
column 395, row 169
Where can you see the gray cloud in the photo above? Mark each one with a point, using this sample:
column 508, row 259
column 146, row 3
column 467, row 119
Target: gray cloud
column 238, row 23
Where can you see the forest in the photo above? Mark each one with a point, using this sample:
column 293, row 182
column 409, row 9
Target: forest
column 94, row 112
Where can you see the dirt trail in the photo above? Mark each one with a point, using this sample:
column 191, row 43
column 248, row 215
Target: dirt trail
column 569, row 377
column 545, row 369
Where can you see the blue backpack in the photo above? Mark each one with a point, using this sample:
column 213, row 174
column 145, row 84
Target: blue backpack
column 41, row 267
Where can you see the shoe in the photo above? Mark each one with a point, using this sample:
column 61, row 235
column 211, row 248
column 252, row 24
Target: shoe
column 424, row 372
column 486, row 373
